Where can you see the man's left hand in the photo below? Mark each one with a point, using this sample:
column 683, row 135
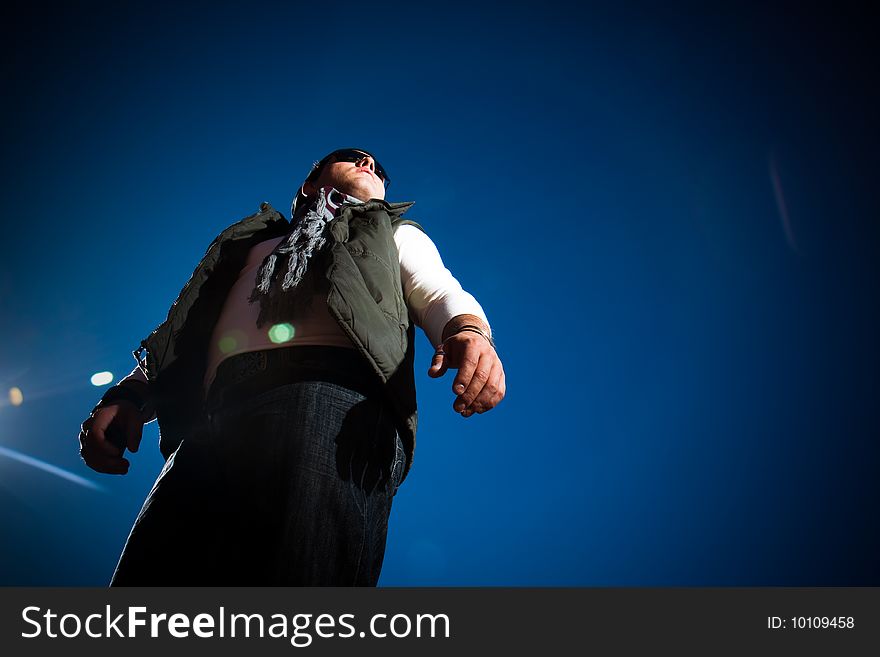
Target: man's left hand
column 479, row 384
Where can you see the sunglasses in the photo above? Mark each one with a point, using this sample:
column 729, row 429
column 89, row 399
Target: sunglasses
column 353, row 155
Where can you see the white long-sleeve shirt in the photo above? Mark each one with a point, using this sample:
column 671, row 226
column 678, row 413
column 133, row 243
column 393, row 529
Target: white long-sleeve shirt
column 432, row 294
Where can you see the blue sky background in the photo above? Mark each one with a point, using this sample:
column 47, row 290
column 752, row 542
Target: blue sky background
column 669, row 214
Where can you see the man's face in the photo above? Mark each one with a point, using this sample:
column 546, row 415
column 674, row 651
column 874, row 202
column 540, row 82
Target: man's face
column 356, row 179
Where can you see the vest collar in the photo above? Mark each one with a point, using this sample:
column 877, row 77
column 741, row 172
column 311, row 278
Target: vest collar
column 396, row 209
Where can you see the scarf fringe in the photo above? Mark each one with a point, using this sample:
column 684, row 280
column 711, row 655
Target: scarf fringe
column 299, row 247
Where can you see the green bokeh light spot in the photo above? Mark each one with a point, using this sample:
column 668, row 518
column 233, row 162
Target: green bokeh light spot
column 227, row 343
column 280, row 333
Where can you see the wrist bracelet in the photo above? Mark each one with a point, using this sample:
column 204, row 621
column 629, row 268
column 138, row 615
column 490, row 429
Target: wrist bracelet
column 469, row 328
column 122, row 393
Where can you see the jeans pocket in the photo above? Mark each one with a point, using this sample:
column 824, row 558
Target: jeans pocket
column 241, row 411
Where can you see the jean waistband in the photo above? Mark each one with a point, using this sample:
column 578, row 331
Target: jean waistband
column 254, row 372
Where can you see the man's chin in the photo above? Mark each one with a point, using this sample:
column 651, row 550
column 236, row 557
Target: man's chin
column 361, row 193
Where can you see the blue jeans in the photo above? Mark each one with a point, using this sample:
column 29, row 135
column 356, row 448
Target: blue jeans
column 289, row 485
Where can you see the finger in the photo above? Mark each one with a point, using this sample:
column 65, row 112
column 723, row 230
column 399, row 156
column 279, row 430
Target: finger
column 112, row 427
column 467, row 365
column 134, row 433
column 86, row 426
column 102, row 462
column 112, row 468
column 475, row 384
column 438, row 365
column 129, row 429
column 99, row 453
column 96, row 452
column 94, row 440
column 485, row 400
column 97, row 426
column 97, row 445
column 501, row 387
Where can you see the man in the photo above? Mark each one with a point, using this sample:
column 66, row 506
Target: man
column 282, row 381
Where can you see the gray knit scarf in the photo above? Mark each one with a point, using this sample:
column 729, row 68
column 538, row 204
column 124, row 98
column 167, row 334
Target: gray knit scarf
column 299, row 246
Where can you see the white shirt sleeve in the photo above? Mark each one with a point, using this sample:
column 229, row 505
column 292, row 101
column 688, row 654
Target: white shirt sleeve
column 432, row 294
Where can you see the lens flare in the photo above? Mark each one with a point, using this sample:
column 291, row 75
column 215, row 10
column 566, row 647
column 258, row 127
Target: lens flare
column 233, row 341
column 227, row 344
column 15, row 396
column 280, row 333
column 15, row 455
column 101, row 378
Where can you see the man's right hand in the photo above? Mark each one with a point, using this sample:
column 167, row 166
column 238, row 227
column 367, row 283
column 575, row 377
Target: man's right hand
column 121, row 419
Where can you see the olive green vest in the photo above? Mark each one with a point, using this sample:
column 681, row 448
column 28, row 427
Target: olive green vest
column 365, row 296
